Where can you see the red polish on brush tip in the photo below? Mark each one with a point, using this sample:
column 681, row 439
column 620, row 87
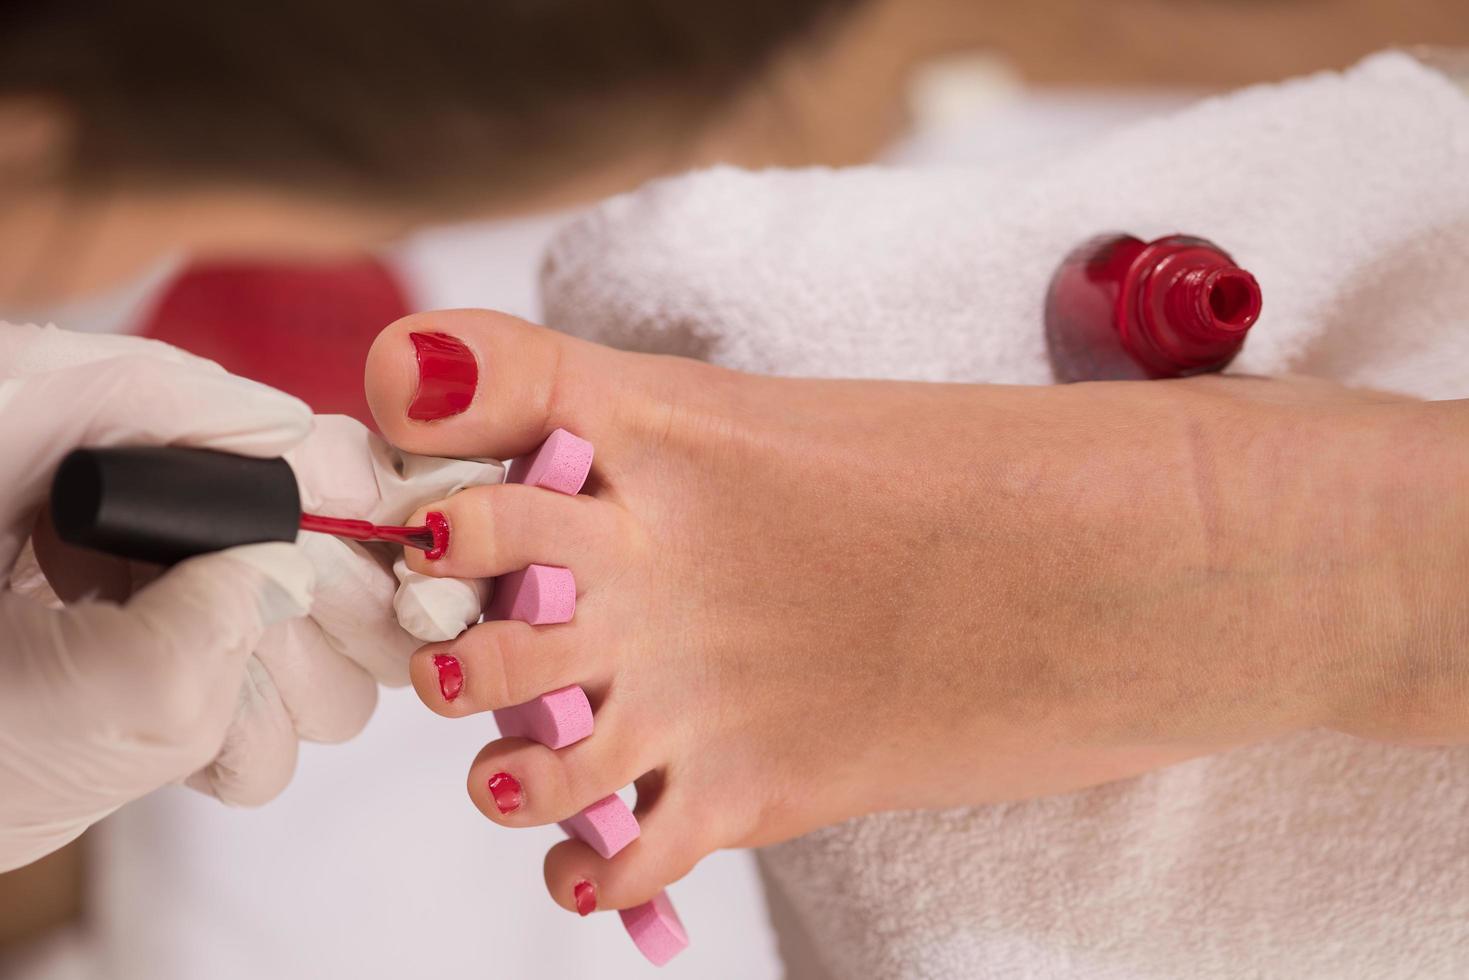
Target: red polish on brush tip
column 447, row 375
column 1120, row 309
column 438, row 529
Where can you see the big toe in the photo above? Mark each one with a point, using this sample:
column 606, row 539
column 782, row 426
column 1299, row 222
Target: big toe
column 471, row 383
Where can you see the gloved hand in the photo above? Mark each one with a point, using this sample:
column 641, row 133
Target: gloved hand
column 101, row 703
column 316, row 678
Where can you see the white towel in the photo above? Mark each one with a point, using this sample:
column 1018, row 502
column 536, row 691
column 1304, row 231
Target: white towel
column 1348, row 196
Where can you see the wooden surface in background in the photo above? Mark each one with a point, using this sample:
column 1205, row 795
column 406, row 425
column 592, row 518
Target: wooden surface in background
column 1196, row 43
column 840, row 102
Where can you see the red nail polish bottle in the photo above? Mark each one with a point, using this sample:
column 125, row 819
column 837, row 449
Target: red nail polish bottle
column 1121, row 309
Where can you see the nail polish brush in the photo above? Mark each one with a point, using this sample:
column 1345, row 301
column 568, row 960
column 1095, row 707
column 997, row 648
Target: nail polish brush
column 421, row 537
column 163, row 504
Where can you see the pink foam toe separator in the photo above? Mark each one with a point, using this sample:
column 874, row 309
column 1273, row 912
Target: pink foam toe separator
column 655, row 929
column 538, row 594
column 561, row 464
column 607, row 826
column 556, row 720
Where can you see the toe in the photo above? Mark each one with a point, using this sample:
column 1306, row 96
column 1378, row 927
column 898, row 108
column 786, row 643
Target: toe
column 500, row 664
column 518, row 783
column 473, row 383
column 499, row 529
column 673, row 839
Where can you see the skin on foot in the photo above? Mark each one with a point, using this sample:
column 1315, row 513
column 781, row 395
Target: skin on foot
column 801, row 601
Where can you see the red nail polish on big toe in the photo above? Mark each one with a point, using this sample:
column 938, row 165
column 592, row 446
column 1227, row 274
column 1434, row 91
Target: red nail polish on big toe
column 451, row 676
column 585, row 894
column 447, row 375
column 505, row 791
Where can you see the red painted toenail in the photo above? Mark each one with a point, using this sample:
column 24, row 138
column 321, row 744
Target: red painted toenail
column 447, row 375
column 505, row 789
column 585, row 894
column 438, row 529
column 451, row 676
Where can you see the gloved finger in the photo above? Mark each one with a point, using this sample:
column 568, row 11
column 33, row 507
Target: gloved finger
column 128, row 400
column 421, row 478
column 28, row 348
column 354, row 606
column 346, row 470
column 434, row 609
column 337, row 467
column 257, row 757
column 326, row 694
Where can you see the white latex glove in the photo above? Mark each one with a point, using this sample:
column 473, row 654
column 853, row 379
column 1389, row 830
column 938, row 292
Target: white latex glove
column 99, row 702
column 315, row 679
column 434, row 609
column 311, row 678
column 346, row 471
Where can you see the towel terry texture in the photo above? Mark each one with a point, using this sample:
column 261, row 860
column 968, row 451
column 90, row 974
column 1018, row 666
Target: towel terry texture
column 1348, row 196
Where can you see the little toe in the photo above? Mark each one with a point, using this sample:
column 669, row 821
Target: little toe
column 673, row 839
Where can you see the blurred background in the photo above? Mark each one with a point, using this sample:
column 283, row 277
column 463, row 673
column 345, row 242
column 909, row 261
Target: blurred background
column 373, row 863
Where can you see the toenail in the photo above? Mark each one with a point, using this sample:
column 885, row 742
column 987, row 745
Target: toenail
column 438, row 529
column 505, row 790
column 585, row 894
column 451, row 675
column 447, row 374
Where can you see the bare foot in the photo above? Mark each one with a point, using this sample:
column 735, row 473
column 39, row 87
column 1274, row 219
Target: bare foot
column 802, row 601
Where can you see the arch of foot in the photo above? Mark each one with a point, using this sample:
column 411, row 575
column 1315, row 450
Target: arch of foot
column 544, row 595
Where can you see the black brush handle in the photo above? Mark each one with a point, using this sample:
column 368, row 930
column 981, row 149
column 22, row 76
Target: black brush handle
column 163, row 504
